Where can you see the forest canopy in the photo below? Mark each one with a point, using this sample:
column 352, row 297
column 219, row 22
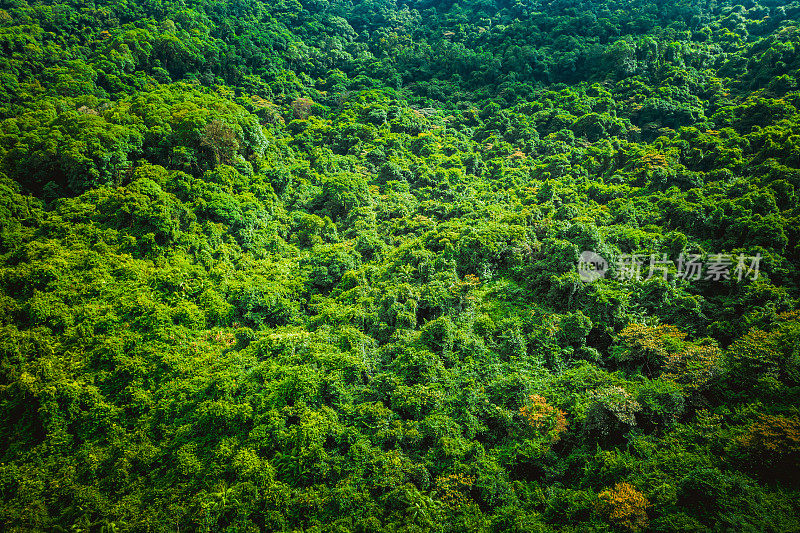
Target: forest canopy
column 312, row 265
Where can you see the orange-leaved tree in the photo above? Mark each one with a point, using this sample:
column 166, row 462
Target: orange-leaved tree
column 624, row 506
column 544, row 418
column 771, row 447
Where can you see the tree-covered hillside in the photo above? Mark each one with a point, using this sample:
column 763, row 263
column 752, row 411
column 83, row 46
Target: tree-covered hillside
column 309, row 265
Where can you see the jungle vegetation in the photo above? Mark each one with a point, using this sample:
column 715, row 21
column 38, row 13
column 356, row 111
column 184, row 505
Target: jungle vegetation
column 311, row 265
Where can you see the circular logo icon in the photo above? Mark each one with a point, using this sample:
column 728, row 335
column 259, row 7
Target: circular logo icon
column 591, row 266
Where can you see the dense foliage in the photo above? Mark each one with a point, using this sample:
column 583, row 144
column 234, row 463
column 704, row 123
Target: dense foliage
column 312, row 265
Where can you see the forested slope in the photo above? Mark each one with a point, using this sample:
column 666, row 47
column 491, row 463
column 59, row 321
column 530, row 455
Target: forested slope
column 314, row 266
